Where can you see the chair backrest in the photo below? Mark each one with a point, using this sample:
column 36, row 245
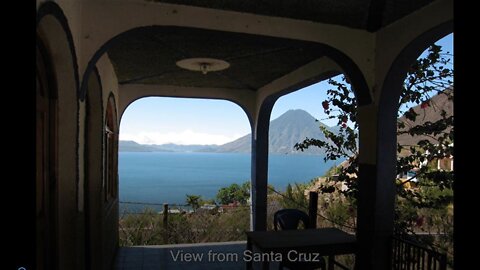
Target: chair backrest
column 289, row 219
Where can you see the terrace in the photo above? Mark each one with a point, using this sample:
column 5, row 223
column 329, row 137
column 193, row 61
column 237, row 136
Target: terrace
column 94, row 58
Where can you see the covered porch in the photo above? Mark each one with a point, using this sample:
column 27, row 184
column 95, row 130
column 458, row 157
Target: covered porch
column 97, row 57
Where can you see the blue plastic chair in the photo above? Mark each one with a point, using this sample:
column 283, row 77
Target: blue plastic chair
column 289, row 219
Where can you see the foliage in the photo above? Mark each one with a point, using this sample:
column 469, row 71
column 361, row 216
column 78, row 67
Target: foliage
column 294, row 197
column 234, row 193
column 432, row 193
column 338, row 211
column 334, row 170
column 193, row 201
column 201, row 226
column 143, row 229
column 147, row 228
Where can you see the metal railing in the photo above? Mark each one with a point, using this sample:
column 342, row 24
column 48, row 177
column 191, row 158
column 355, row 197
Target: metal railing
column 408, row 255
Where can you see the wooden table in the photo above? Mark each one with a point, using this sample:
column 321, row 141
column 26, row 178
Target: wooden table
column 323, row 241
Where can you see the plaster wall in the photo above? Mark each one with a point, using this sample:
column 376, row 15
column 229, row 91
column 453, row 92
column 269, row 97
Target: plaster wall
column 109, row 81
column 73, row 12
column 55, row 39
column 94, row 173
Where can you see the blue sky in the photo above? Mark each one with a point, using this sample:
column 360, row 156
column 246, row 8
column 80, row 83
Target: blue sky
column 159, row 120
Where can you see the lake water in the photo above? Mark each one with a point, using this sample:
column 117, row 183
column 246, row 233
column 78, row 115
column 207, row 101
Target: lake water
column 157, row 177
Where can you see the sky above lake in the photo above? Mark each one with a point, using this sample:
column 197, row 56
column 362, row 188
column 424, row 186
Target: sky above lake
column 159, row 120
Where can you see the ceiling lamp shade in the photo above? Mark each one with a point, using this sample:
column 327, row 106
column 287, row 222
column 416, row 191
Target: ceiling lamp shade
column 203, row 65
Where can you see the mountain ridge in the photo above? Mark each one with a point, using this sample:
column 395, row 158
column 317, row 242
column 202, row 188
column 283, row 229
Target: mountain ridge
column 285, row 131
column 293, row 127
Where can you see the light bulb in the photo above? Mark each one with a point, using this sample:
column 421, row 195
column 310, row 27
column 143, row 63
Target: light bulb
column 204, row 68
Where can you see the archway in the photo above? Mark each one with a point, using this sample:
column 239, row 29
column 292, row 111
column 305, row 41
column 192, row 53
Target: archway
column 46, row 160
column 308, row 122
column 339, row 63
column 179, row 153
column 54, row 33
column 244, row 83
column 389, row 106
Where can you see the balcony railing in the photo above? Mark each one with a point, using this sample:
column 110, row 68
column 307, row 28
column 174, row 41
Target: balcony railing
column 408, row 255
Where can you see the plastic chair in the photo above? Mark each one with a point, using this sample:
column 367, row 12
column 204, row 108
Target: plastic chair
column 289, row 219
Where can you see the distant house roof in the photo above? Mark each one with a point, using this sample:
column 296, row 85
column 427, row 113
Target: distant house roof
column 428, row 114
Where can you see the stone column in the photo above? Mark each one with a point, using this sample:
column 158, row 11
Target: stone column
column 376, row 198
column 260, row 169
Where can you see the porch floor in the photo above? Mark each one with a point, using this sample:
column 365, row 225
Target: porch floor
column 224, row 255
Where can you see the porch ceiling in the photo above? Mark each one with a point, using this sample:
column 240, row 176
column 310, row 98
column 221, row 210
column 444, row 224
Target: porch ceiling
column 149, row 56
column 350, row 13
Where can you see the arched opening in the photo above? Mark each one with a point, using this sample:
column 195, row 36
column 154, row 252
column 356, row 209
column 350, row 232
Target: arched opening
column 361, row 96
column 46, row 161
column 247, row 57
column 425, row 143
column 183, row 167
column 389, row 104
column 295, row 117
column 101, row 173
column 313, row 141
column 54, row 33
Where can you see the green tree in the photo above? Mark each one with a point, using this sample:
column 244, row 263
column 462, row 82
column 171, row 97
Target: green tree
column 237, row 193
column 428, row 76
column 234, row 193
column 193, row 201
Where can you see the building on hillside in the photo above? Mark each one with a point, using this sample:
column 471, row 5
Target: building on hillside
column 432, row 113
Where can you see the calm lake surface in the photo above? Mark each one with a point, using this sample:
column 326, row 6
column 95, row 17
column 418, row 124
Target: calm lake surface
column 157, row 177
